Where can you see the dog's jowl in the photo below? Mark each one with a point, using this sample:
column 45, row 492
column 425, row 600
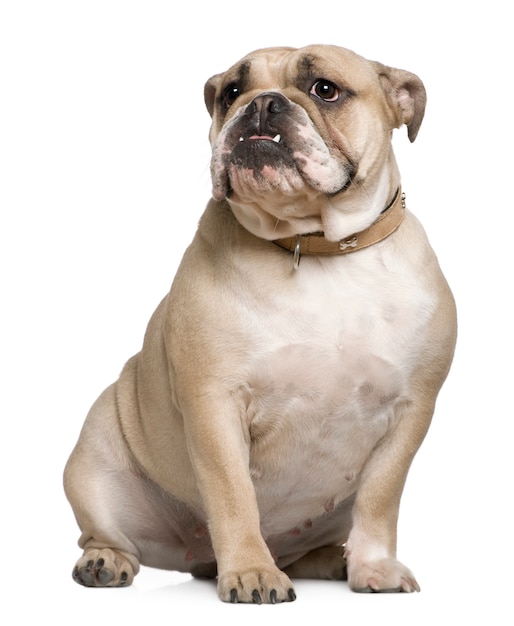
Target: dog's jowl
column 266, row 428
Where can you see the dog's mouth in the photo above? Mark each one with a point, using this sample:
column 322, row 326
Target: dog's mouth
column 276, row 138
column 259, row 152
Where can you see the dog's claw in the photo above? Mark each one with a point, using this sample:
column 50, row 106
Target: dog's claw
column 273, row 596
column 256, row 597
column 233, row 596
column 292, row 595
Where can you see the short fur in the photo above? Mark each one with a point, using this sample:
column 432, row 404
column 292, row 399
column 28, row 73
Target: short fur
column 266, row 428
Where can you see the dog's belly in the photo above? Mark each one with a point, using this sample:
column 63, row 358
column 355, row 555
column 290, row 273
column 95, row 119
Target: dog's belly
column 314, row 415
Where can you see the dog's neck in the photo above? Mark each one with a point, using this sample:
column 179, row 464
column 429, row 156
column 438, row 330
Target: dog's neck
column 316, row 244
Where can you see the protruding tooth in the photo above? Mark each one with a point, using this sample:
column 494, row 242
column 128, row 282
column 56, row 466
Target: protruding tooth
column 276, row 138
column 241, row 138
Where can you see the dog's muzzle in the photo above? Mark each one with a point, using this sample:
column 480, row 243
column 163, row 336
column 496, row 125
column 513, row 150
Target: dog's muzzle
column 272, row 144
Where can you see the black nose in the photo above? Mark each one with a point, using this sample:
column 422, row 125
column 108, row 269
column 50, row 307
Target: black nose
column 265, row 106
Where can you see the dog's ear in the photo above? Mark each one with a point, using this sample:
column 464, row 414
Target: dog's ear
column 209, row 92
column 406, row 95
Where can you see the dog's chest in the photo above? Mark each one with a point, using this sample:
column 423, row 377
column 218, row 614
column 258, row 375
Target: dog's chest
column 330, row 363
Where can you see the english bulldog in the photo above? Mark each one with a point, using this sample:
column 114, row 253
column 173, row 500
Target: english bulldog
column 265, row 430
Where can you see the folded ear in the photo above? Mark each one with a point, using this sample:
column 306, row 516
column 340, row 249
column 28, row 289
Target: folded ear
column 209, row 92
column 406, row 95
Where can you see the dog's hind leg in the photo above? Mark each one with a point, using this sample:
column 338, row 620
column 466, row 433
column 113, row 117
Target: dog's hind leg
column 102, row 489
column 326, row 563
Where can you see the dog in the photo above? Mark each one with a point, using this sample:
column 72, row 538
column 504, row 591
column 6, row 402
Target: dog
column 266, row 428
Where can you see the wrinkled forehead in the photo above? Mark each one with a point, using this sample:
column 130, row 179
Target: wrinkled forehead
column 278, row 67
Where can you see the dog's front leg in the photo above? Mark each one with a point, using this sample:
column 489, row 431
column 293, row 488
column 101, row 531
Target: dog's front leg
column 371, row 546
column 219, row 451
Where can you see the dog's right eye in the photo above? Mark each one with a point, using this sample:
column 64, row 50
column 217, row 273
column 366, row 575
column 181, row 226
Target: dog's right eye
column 231, row 94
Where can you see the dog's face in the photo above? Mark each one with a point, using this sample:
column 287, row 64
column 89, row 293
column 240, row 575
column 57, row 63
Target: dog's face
column 293, row 131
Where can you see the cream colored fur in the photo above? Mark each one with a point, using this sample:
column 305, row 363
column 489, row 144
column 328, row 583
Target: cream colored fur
column 272, row 414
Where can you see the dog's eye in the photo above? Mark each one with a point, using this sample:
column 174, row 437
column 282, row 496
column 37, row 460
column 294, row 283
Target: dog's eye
column 325, row 90
column 230, row 94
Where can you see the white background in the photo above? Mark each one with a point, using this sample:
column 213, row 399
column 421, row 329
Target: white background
column 104, row 172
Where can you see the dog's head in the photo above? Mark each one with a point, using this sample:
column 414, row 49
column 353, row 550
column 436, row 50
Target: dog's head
column 301, row 138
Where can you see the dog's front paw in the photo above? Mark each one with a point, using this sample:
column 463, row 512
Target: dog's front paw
column 264, row 585
column 384, row 575
column 105, row 568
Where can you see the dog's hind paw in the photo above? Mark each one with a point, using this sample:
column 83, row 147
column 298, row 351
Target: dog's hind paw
column 105, row 568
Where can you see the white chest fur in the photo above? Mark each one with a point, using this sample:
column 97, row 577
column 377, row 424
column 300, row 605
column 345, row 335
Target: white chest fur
column 331, row 359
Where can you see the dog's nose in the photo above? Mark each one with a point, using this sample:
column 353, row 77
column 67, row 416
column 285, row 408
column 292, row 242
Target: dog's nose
column 266, row 105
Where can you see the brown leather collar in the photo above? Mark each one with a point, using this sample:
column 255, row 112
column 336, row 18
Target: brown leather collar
column 315, row 243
